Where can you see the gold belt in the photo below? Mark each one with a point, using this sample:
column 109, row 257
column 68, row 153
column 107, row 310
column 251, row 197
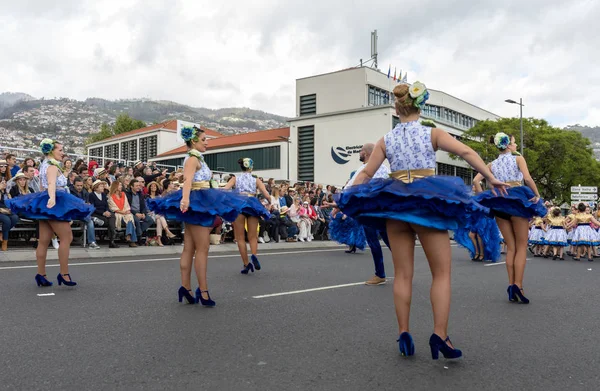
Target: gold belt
column 248, row 194
column 408, row 176
column 200, row 185
column 514, row 183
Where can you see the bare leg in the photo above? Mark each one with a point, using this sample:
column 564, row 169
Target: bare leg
column 187, row 257
column 481, row 249
column 509, row 238
column 520, row 225
column 436, row 245
column 42, row 248
column 239, row 233
column 65, row 235
column 402, row 243
column 473, row 236
column 202, row 242
column 253, row 234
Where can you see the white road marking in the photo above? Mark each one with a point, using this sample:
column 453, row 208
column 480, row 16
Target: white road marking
column 162, row 259
column 495, row 264
column 173, row 259
column 323, row 288
column 45, row 294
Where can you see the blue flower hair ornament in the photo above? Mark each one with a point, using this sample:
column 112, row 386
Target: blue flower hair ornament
column 248, row 163
column 47, row 146
column 189, row 133
column 501, row 140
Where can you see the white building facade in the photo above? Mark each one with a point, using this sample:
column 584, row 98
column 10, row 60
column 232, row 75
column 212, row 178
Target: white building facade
column 336, row 113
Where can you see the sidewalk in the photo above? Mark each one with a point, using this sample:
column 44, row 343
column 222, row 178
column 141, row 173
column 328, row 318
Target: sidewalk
column 77, row 252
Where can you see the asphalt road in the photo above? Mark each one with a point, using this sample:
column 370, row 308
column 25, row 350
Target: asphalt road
column 122, row 327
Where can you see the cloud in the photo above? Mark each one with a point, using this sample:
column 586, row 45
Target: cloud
column 237, row 53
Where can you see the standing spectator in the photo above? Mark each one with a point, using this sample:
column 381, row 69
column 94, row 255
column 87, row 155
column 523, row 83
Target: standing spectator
column 99, row 200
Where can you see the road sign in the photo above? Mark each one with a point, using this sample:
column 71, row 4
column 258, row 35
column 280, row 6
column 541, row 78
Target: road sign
column 584, row 197
column 575, row 203
column 584, row 189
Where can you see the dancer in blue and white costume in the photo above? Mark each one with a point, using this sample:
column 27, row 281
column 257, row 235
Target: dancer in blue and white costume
column 197, row 205
column 371, row 234
column 54, row 208
column 513, row 211
column 247, row 185
column 556, row 237
column 417, row 202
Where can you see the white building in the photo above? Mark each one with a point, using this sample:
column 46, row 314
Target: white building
column 336, row 113
column 142, row 144
column 268, row 148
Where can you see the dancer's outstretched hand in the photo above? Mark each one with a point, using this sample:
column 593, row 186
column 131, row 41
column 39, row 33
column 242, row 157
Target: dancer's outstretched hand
column 498, row 187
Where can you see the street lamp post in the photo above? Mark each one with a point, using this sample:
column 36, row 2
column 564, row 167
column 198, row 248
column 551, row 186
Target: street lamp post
column 287, row 139
column 520, row 103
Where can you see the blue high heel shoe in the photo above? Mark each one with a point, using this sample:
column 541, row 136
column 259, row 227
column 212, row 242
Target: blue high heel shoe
column 511, row 294
column 255, row 262
column 61, row 280
column 518, row 295
column 406, row 345
column 41, row 280
column 247, row 268
column 184, row 292
column 205, row 302
column 439, row 345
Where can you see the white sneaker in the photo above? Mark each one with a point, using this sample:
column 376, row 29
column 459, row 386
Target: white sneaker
column 261, row 240
column 301, row 239
column 309, row 239
column 55, row 243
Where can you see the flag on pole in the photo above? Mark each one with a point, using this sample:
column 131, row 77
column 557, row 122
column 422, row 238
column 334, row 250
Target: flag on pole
column 400, row 76
column 405, row 78
column 394, row 73
column 389, row 71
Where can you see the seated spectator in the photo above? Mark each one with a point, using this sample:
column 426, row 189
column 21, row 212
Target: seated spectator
column 154, row 190
column 137, row 204
column 79, row 192
column 21, row 186
column 118, row 204
column 8, row 219
column 99, row 199
column 307, row 216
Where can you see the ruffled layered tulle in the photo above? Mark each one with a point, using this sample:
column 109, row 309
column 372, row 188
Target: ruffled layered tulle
column 585, row 236
column 33, row 206
column 347, row 231
column 439, row 202
column 488, row 231
column 515, row 203
column 254, row 208
column 204, row 206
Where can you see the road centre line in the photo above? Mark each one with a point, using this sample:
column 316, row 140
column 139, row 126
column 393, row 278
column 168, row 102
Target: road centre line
column 495, row 264
column 311, row 290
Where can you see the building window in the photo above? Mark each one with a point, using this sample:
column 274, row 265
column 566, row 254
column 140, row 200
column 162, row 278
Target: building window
column 308, row 104
column 96, row 154
column 378, row 96
column 466, row 174
column 450, row 117
column 306, row 153
column 445, row 169
column 267, row 158
column 129, row 150
column 111, row 151
column 148, row 147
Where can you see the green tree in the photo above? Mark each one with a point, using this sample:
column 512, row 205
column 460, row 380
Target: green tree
column 124, row 123
column 557, row 159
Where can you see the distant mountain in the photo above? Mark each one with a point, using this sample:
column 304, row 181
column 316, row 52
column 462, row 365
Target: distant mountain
column 592, row 133
column 27, row 119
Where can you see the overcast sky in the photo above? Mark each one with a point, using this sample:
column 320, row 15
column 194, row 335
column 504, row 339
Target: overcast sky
column 249, row 53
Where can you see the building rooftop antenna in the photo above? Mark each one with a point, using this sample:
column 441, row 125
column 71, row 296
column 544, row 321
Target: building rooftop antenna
column 374, row 48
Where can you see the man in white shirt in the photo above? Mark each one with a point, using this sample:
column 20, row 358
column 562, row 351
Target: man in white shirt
column 372, row 234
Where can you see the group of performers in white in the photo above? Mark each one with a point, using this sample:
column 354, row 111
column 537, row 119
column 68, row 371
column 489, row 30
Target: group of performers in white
column 399, row 205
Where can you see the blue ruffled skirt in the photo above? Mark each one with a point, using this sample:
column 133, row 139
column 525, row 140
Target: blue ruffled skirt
column 204, row 206
column 515, row 203
column 254, row 208
column 488, row 231
column 438, row 202
column 33, row 206
column 347, row 231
